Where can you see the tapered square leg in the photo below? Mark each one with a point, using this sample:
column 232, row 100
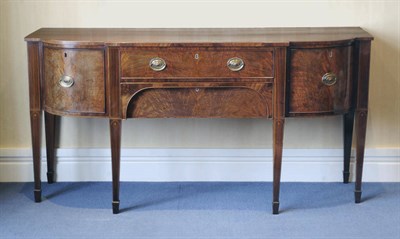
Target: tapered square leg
column 348, row 122
column 278, row 142
column 279, row 121
column 361, row 127
column 49, row 121
column 35, row 113
column 36, row 122
column 115, row 133
column 363, row 51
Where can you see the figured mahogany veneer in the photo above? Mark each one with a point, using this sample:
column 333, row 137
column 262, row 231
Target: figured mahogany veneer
column 282, row 72
column 195, row 62
column 86, row 67
column 308, row 94
column 202, row 102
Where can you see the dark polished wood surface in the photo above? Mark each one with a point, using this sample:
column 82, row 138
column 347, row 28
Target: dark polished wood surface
column 308, row 94
column 209, row 36
column 202, row 102
column 86, row 67
column 196, row 62
column 278, row 73
column 35, row 107
column 209, row 99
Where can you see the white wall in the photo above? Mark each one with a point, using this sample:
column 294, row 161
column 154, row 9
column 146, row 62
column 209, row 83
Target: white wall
column 380, row 18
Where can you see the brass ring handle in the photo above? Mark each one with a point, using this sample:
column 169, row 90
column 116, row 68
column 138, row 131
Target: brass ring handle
column 157, row 64
column 329, row 79
column 66, row 81
column 235, row 64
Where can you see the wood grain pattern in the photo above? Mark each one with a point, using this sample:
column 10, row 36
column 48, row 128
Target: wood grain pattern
column 87, row 95
column 307, row 92
column 212, row 99
column 182, row 62
column 199, row 102
column 197, row 36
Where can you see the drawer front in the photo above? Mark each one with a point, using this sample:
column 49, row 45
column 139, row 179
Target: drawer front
column 196, row 62
column 320, row 80
column 198, row 102
column 74, row 81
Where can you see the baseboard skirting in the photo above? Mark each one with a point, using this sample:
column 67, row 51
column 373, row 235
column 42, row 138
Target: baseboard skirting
column 299, row 165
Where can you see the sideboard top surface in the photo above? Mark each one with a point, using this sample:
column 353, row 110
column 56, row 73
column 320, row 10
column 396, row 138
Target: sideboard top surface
column 199, row 36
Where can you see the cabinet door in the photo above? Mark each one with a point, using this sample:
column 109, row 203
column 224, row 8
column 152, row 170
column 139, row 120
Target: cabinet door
column 320, row 81
column 74, row 81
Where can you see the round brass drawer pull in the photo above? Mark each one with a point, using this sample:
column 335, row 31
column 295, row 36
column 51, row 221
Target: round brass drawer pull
column 235, row 64
column 66, row 81
column 329, row 79
column 157, row 64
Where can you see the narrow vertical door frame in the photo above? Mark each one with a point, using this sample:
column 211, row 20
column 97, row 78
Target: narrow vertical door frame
column 278, row 121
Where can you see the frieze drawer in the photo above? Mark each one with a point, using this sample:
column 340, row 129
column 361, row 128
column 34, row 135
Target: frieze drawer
column 196, row 62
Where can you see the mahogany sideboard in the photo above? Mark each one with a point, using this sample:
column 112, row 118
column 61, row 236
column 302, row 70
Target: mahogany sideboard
column 270, row 73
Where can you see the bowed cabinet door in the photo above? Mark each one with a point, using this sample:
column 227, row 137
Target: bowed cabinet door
column 74, row 81
column 320, row 81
